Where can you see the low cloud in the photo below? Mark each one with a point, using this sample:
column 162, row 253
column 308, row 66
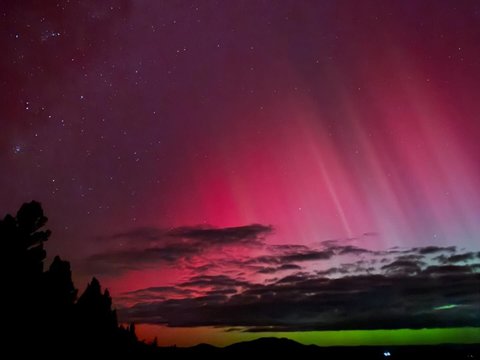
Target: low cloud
column 248, row 234
column 456, row 258
column 127, row 259
column 404, row 267
column 232, row 278
column 148, row 247
column 292, row 255
column 434, row 249
column 306, row 302
column 213, row 281
column 284, row 267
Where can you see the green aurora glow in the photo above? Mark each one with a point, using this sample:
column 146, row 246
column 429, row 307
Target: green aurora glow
column 218, row 336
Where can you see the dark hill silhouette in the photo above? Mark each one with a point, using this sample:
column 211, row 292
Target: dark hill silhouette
column 275, row 347
column 286, row 348
column 267, row 343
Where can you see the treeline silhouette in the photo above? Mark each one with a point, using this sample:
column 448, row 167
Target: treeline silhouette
column 42, row 312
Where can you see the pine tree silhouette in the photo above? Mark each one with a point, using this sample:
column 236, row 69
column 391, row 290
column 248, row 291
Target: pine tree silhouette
column 131, row 330
column 95, row 313
column 23, row 253
column 44, row 306
column 59, row 285
column 22, row 245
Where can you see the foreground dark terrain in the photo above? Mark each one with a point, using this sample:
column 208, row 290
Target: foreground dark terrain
column 44, row 316
column 284, row 347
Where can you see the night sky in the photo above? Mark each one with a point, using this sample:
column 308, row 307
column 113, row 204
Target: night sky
column 230, row 169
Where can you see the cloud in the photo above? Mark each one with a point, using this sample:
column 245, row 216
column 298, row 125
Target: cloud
column 434, row 249
column 284, row 267
column 352, row 250
column 213, row 281
column 397, row 288
column 456, row 258
column 333, row 271
column 148, row 246
column 292, row 255
column 117, row 261
column 154, row 294
column 448, row 269
column 287, row 287
column 160, row 290
column 222, row 236
column 288, row 248
column 403, row 266
column 423, row 251
column 307, row 302
column 310, row 255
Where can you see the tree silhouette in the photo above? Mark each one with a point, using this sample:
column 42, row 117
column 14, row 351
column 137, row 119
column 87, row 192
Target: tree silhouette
column 95, row 312
column 22, row 243
column 131, row 330
column 44, row 305
column 23, row 253
column 58, row 297
column 59, row 285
